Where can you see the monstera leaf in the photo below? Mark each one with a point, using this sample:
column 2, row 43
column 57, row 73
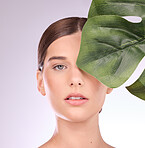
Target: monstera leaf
column 138, row 87
column 112, row 47
column 117, row 7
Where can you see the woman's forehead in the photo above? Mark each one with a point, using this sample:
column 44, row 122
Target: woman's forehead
column 65, row 46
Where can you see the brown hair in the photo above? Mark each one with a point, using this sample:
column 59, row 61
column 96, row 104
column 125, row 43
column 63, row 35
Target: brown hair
column 65, row 26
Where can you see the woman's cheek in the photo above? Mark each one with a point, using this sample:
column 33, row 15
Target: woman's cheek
column 54, row 82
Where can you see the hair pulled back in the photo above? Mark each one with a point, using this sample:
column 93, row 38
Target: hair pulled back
column 60, row 28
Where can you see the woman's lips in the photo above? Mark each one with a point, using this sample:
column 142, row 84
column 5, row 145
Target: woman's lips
column 75, row 95
column 74, row 101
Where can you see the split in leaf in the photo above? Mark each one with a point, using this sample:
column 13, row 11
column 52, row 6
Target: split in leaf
column 138, row 87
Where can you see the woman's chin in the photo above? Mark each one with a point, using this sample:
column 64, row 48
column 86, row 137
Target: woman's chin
column 76, row 117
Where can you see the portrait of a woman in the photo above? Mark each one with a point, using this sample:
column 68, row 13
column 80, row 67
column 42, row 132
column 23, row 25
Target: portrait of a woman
column 75, row 96
column 49, row 98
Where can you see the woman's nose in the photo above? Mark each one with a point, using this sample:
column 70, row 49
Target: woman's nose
column 76, row 77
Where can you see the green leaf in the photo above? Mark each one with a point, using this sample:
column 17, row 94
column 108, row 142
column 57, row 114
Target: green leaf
column 111, row 48
column 138, row 87
column 117, row 7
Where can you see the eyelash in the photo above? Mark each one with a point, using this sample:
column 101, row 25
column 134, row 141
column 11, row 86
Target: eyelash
column 57, row 66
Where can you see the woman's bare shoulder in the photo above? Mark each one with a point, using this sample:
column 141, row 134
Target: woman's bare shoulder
column 48, row 144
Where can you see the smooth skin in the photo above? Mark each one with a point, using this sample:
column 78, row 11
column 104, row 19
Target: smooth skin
column 77, row 126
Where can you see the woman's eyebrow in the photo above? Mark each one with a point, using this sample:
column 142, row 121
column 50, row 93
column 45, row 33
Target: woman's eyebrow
column 57, row 57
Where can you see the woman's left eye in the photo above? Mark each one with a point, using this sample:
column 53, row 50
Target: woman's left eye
column 59, row 67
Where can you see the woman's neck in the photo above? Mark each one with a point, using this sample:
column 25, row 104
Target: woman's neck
column 78, row 134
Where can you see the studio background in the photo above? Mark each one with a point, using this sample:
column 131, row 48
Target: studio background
column 26, row 119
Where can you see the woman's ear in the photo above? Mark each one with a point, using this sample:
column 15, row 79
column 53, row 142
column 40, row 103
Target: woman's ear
column 109, row 90
column 40, row 83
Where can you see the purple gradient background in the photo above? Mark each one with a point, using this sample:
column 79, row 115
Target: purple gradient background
column 27, row 120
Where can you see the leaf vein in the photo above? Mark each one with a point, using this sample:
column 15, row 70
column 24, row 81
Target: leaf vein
column 117, row 50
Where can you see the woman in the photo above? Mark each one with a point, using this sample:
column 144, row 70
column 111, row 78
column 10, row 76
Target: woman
column 75, row 96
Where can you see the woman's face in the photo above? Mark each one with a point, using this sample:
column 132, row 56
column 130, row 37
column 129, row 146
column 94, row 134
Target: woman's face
column 61, row 77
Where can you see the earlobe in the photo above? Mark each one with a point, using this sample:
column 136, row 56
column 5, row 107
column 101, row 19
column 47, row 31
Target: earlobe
column 109, row 90
column 40, row 84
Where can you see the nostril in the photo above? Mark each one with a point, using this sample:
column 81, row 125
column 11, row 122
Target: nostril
column 78, row 84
